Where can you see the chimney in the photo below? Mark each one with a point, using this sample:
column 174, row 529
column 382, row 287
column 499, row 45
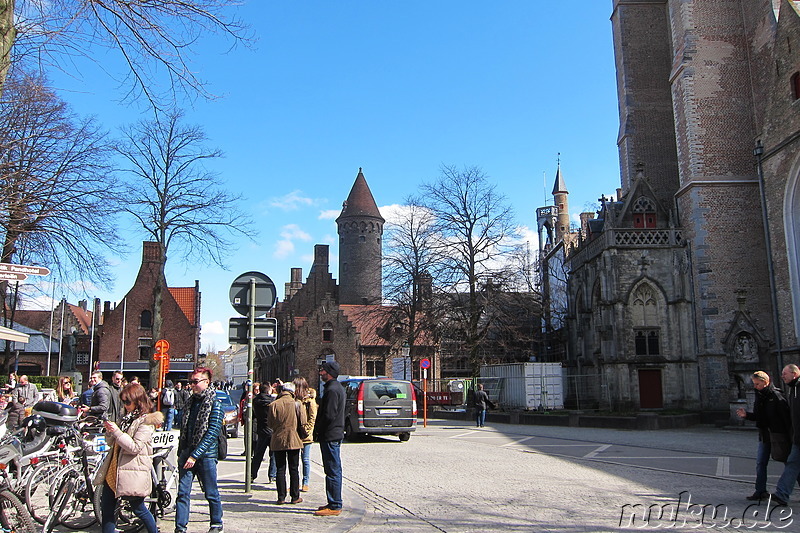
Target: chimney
column 320, row 257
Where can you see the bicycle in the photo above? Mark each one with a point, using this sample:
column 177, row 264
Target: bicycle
column 164, row 474
column 14, row 516
column 72, row 496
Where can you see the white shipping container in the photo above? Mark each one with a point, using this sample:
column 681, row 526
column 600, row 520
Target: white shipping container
column 529, row 386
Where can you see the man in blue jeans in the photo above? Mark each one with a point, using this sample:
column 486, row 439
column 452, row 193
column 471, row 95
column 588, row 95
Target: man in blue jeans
column 197, row 450
column 329, row 431
column 790, row 376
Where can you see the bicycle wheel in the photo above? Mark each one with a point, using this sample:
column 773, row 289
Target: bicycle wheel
column 13, row 514
column 37, row 490
column 80, row 512
column 61, row 496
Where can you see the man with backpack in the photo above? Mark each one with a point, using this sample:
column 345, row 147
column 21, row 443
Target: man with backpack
column 168, row 405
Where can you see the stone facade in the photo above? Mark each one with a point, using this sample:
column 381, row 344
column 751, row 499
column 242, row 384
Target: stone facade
column 703, row 85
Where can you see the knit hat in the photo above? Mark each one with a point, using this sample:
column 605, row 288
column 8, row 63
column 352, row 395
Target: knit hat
column 287, row 387
column 332, row 368
column 763, row 376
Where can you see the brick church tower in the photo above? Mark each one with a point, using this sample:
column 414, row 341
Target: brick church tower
column 360, row 239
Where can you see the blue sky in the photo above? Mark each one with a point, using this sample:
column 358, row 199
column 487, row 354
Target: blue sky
column 398, row 88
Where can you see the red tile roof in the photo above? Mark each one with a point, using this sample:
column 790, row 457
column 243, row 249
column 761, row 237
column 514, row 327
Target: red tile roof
column 187, row 301
column 34, row 319
column 84, row 317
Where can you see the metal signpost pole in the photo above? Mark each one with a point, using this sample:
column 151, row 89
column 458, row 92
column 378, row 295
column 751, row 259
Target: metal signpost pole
column 251, row 352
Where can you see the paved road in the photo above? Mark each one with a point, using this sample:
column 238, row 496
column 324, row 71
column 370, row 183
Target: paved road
column 454, row 478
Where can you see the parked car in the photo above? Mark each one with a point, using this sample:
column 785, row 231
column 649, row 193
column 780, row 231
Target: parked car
column 379, row 406
column 231, row 410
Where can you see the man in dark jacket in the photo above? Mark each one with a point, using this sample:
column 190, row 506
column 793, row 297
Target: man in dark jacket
column 102, row 403
column 23, row 396
column 182, row 395
column 261, row 403
column 771, row 415
column 197, row 450
column 783, row 490
column 329, row 431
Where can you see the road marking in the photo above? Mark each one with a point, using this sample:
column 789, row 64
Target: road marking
column 462, row 435
column 602, row 448
column 518, row 441
column 723, row 466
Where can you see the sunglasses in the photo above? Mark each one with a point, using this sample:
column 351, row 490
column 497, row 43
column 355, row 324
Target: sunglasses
column 196, row 381
column 127, row 402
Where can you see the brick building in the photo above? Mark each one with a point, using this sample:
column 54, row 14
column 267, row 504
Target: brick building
column 321, row 320
column 690, row 279
column 51, row 330
column 126, row 336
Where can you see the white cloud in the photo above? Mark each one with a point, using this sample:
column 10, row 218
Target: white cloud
column 289, row 234
column 293, row 201
column 293, row 232
column 283, row 249
column 329, row 214
column 213, row 336
column 214, row 327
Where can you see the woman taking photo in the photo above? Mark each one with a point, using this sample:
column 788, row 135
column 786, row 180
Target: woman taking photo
column 125, row 472
column 308, row 399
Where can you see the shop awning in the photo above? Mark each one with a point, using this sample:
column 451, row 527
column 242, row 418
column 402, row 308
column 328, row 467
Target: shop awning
column 9, row 334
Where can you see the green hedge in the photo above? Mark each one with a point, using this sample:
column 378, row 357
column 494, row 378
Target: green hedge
column 42, row 382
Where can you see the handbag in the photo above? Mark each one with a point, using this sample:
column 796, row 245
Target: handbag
column 222, row 445
column 301, row 430
column 780, row 446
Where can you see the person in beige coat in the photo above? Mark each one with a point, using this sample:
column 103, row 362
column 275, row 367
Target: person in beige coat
column 308, row 399
column 282, row 418
column 125, row 472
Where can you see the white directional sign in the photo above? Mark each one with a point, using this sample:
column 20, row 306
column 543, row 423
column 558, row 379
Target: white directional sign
column 23, row 269
column 12, row 276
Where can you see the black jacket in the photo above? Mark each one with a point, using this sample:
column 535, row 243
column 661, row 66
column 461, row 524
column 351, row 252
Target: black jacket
column 793, row 396
column 770, row 412
column 261, row 402
column 103, row 402
column 181, row 398
column 330, row 416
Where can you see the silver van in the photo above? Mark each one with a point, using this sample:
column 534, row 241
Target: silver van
column 379, row 406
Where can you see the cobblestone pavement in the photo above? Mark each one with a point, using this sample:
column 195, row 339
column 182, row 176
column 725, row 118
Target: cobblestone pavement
column 453, row 478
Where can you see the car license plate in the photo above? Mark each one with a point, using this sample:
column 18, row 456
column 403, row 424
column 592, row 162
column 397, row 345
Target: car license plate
column 387, row 412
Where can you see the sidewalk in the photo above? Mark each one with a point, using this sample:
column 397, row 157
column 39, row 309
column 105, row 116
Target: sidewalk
column 256, row 512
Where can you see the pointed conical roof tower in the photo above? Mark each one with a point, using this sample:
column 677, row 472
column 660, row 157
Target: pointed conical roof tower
column 360, row 246
column 560, row 194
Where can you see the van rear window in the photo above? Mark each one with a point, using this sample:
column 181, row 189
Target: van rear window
column 396, row 390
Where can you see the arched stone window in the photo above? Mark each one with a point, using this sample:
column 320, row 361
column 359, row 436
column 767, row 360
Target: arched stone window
column 146, row 319
column 645, row 318
column 791, row 224
column 327, row 332
column 644, row 213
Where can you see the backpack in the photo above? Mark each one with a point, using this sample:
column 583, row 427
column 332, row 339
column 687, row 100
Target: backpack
column 168, row 398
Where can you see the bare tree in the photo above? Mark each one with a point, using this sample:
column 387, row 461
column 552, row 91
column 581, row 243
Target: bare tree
column 473, row 227
column 154, row 36
column 57, row 194
column 411, row 264
column 177, row 202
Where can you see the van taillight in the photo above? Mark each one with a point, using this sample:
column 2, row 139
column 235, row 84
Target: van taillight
column 413, row 401
column 361, row 400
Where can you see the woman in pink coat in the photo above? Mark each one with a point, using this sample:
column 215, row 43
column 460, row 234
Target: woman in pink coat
column 125, row 472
